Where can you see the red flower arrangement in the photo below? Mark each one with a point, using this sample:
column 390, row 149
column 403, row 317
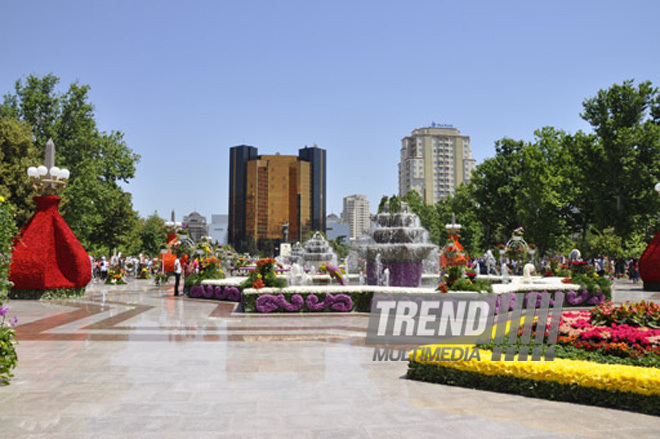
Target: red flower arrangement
column 257, row 284
column 47, row 254
column 649, row 262
column 266, row 261
column 580, row 330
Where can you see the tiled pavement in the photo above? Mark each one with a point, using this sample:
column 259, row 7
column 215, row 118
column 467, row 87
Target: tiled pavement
column 134, row 362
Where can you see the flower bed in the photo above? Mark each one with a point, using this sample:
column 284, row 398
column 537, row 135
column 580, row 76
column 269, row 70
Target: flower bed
column 616, row 386
column 300, row 299
column 360, row 295
column 616, row 366
column 217, row 292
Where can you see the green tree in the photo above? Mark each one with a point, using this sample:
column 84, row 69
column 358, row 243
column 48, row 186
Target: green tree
column 152, row 234
column 340, row 246
column 622, row 160
column 94, row 205
column 605, row 243
column 17, row 153
column 540, row 201
column 497, row 182
column 427, row 215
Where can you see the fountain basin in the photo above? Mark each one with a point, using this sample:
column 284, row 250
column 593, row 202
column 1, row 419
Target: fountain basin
column 404, row 262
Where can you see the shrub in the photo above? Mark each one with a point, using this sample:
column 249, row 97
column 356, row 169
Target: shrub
column 8, row 357
column 593, row 284
column 478, row 285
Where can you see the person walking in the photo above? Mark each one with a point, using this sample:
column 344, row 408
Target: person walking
column 104, row 268
column 177, row 275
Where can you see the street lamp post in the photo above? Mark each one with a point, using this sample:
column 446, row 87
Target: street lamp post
column 48, row 179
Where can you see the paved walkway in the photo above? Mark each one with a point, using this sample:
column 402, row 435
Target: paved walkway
column 624, row 290
column 134, row 362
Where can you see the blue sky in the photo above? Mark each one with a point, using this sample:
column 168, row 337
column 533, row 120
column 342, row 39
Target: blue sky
column 185, row 81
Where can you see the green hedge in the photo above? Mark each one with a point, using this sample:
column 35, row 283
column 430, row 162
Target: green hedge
column 58, row 293
column 431, row 373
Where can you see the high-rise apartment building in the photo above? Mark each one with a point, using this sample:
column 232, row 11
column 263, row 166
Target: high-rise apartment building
column 356, row 214
column 434, row 161
column 274, row 195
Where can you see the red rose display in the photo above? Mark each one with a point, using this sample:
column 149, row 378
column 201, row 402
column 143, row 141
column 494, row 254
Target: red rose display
column 46, row 254
column 649, row 264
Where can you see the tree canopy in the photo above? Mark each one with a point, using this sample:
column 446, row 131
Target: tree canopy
column 593, row 190
column 94, row 205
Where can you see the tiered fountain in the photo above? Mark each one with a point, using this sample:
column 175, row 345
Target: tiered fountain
column 317, row 251
column 296, row 255
column 401, row 245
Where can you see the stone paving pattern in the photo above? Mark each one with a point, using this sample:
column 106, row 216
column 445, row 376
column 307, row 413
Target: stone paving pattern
column 134, row 362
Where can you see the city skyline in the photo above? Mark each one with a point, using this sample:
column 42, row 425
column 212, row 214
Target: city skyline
column 184, row 84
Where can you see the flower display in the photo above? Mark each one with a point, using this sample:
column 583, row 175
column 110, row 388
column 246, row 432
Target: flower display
column 264, row 276
column 49, row 256
column 144, row 274
column 636, row 314
column 613, row 377
column 335, row 272
column 115, row 277
column 267, row 303
column 581, row 330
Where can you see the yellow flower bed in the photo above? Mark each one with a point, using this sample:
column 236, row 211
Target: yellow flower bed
column 615, row 377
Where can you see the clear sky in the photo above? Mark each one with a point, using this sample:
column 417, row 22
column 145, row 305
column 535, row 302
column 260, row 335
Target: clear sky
column 186, row 80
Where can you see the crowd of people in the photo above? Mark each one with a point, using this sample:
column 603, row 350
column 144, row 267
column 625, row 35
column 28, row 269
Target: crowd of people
column 131, row 266
column 603, row 266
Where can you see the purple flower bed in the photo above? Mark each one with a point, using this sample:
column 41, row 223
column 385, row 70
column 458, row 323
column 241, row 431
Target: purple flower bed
column 267, row 303
column 271, row 302
column 231, row 294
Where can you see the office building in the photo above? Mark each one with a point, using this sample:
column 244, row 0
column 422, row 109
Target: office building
column 273, row 197
column 356, row 214
column 434, row 161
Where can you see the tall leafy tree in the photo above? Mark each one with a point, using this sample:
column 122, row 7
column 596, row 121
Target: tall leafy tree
column 94, row 205
column 540, row 201
column 622, row 160
column 17, row 152
column 497, row 181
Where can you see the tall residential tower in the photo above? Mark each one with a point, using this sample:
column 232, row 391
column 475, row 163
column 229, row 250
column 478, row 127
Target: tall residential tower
column 434, row 161
column 356, row 214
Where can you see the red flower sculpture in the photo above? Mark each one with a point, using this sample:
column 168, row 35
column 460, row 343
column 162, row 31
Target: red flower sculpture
column 649, row 263
column 47, row 254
